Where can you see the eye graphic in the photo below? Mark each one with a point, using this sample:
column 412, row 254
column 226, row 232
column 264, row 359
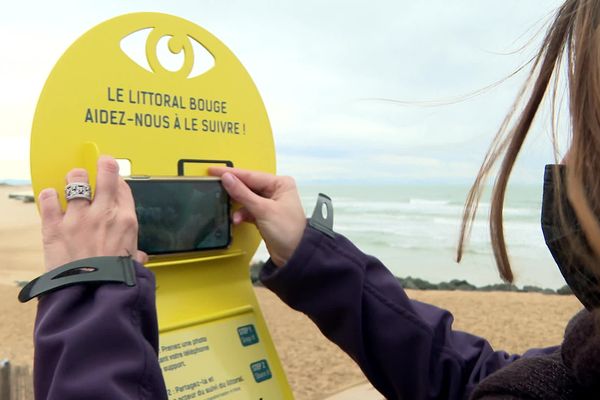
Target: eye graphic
column 161, row 52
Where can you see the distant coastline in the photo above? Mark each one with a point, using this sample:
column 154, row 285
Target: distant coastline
column 455, row 284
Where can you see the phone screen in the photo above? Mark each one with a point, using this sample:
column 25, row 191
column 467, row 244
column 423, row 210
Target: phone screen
column 181, row 215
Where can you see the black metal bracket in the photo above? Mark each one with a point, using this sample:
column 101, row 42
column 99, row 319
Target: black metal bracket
column 322, row 218
column 88, row 270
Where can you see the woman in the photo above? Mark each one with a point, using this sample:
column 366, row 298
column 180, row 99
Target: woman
column 406, row 348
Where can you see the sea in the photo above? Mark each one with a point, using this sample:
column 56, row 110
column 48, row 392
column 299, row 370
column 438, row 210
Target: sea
column 414, row 229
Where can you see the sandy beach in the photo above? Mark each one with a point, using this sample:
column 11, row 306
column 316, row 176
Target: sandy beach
column 316, row 368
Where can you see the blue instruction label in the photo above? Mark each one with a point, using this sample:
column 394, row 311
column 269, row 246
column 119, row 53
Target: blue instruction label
column 248, row 335
column 261, row 371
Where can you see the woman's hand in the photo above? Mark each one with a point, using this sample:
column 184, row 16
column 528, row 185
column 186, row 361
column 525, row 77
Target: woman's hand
column 106, row 226
column 272, row 203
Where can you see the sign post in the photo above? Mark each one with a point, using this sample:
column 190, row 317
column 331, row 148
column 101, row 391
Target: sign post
column 99, row 100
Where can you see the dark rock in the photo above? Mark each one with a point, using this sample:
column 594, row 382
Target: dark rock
column 416, row 283
column 536, row 289
column 565, row 290
column 499, row 287
column 458, row 284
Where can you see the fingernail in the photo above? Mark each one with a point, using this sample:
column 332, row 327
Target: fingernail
column 237, row 218
column 228, row 180
column 77, row 175
column 108, row 163
column 47, row 193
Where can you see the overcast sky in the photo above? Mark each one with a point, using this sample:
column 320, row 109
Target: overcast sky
column 319, row 65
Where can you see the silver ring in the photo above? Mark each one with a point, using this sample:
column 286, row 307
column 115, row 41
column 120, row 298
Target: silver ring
column 78, row 190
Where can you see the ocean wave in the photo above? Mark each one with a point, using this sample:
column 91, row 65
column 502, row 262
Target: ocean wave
column 386, row 208
column 425, row 208
column 428, row 202
column 427, row 221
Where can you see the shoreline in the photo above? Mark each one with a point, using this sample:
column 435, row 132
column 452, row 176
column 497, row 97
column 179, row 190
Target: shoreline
column 412, row 283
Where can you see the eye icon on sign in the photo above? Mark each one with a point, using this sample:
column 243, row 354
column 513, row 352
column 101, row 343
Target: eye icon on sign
column 156, row 50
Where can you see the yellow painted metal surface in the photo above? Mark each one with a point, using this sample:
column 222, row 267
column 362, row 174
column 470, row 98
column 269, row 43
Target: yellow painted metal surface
column 101, row 100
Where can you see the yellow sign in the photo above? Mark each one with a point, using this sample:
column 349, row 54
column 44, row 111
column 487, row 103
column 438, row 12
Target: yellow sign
column 223, row 359
column 169, row 119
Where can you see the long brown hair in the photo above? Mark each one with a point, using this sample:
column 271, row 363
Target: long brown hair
column 573, row 42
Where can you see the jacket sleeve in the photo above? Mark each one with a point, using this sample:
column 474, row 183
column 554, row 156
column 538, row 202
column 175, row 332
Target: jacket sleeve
column 98, row 342
column 407, row 349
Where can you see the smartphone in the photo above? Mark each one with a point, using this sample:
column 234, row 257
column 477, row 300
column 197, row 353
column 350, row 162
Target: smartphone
column 181, row 214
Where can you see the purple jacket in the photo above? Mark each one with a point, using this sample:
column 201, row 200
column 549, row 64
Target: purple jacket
column 407, row 349
column 100, row 342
